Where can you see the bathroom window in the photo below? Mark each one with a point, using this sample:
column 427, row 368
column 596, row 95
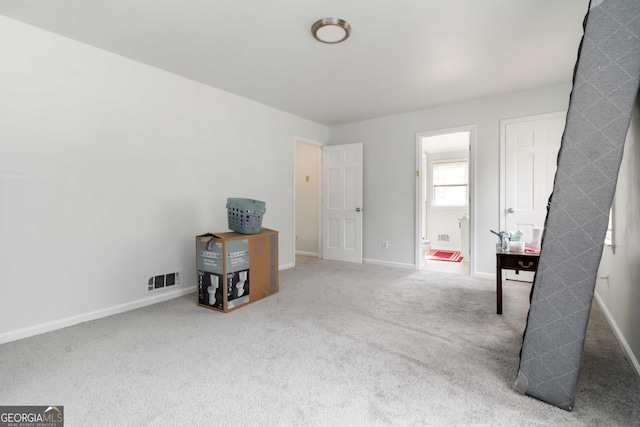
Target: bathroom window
column 450, row 183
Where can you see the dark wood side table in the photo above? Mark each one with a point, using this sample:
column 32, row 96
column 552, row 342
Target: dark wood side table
column 518, row 261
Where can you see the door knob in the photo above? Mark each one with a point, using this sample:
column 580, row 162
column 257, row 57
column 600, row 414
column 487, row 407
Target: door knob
column 510, row 210
column 358, row 210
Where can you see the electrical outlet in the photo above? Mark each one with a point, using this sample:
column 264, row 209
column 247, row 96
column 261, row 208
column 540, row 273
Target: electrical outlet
column 385, row 244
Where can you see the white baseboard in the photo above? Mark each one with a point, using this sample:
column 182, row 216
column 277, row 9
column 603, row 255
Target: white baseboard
column 313, row 254
column 616, row 330
column 390, row 264
column 85, row 317
column 480, row 275
column 286, row 266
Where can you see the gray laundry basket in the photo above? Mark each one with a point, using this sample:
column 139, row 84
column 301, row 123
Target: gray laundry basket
column 245, row 215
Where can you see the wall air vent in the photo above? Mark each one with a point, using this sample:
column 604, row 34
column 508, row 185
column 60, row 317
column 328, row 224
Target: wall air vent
column 162, row 281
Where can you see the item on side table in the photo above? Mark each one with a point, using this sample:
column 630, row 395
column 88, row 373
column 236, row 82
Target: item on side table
column 504, row 240
column 516, row 246
column 537, row 237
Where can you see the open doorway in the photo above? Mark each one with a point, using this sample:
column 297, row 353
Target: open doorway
column 308, row 192
column 444, row 200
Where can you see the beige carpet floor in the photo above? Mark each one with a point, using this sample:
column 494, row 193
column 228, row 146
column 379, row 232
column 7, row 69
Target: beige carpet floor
column 340, row 345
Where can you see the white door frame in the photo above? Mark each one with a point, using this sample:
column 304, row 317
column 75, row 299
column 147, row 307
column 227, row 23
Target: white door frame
column 297, row 140
column 503, row 156
column 472, row 192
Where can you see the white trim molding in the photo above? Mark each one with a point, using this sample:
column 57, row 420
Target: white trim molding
column 618, row 333
column 313, row 254
column 389, row 264
column 286, row 266
column 98, row 314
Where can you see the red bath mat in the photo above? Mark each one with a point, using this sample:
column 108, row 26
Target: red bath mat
column 436, row 255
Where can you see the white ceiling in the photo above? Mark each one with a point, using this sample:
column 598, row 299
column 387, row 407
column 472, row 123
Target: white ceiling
column 403, row 55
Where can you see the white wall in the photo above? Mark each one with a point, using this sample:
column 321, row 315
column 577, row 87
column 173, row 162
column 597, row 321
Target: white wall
column 109, row 168
column 308, row 164
column 390, row 165
column 620, row 296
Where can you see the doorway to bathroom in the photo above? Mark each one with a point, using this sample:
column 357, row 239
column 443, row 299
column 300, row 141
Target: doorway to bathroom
column 444, row 187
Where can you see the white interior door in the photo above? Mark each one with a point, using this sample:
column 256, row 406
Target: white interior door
column 531, row 146
column 342, row 202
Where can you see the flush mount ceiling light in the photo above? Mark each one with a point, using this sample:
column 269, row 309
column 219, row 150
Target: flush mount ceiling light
column 331, row 30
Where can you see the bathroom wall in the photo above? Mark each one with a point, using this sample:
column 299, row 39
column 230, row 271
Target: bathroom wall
column 109, row 168
column 443, row 220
